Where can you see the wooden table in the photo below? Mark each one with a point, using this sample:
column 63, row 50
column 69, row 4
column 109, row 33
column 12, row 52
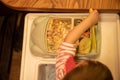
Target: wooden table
column 63, row 5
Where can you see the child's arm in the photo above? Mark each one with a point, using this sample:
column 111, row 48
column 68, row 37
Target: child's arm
column 77, row 31
column 65, row 60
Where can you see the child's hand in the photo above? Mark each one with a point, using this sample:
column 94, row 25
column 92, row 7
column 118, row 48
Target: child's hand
column 94, row 16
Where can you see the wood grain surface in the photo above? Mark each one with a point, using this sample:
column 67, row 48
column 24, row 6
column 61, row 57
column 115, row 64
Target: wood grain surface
column 36, row 5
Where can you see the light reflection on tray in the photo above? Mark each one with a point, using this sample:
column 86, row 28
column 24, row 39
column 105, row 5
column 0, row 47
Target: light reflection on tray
column 46, row 72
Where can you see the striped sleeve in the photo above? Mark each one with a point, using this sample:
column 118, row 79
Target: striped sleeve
column 64, row 59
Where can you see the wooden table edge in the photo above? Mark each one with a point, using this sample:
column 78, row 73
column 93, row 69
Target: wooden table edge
column 61, row 10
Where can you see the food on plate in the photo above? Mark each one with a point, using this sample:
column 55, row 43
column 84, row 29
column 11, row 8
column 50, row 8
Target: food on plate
column 84, row 45
column 93, row 36
column 57, row 29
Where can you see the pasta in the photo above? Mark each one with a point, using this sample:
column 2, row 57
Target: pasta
column 57, row 29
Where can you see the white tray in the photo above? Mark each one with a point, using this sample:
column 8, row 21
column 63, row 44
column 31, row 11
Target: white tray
column 109, row 54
